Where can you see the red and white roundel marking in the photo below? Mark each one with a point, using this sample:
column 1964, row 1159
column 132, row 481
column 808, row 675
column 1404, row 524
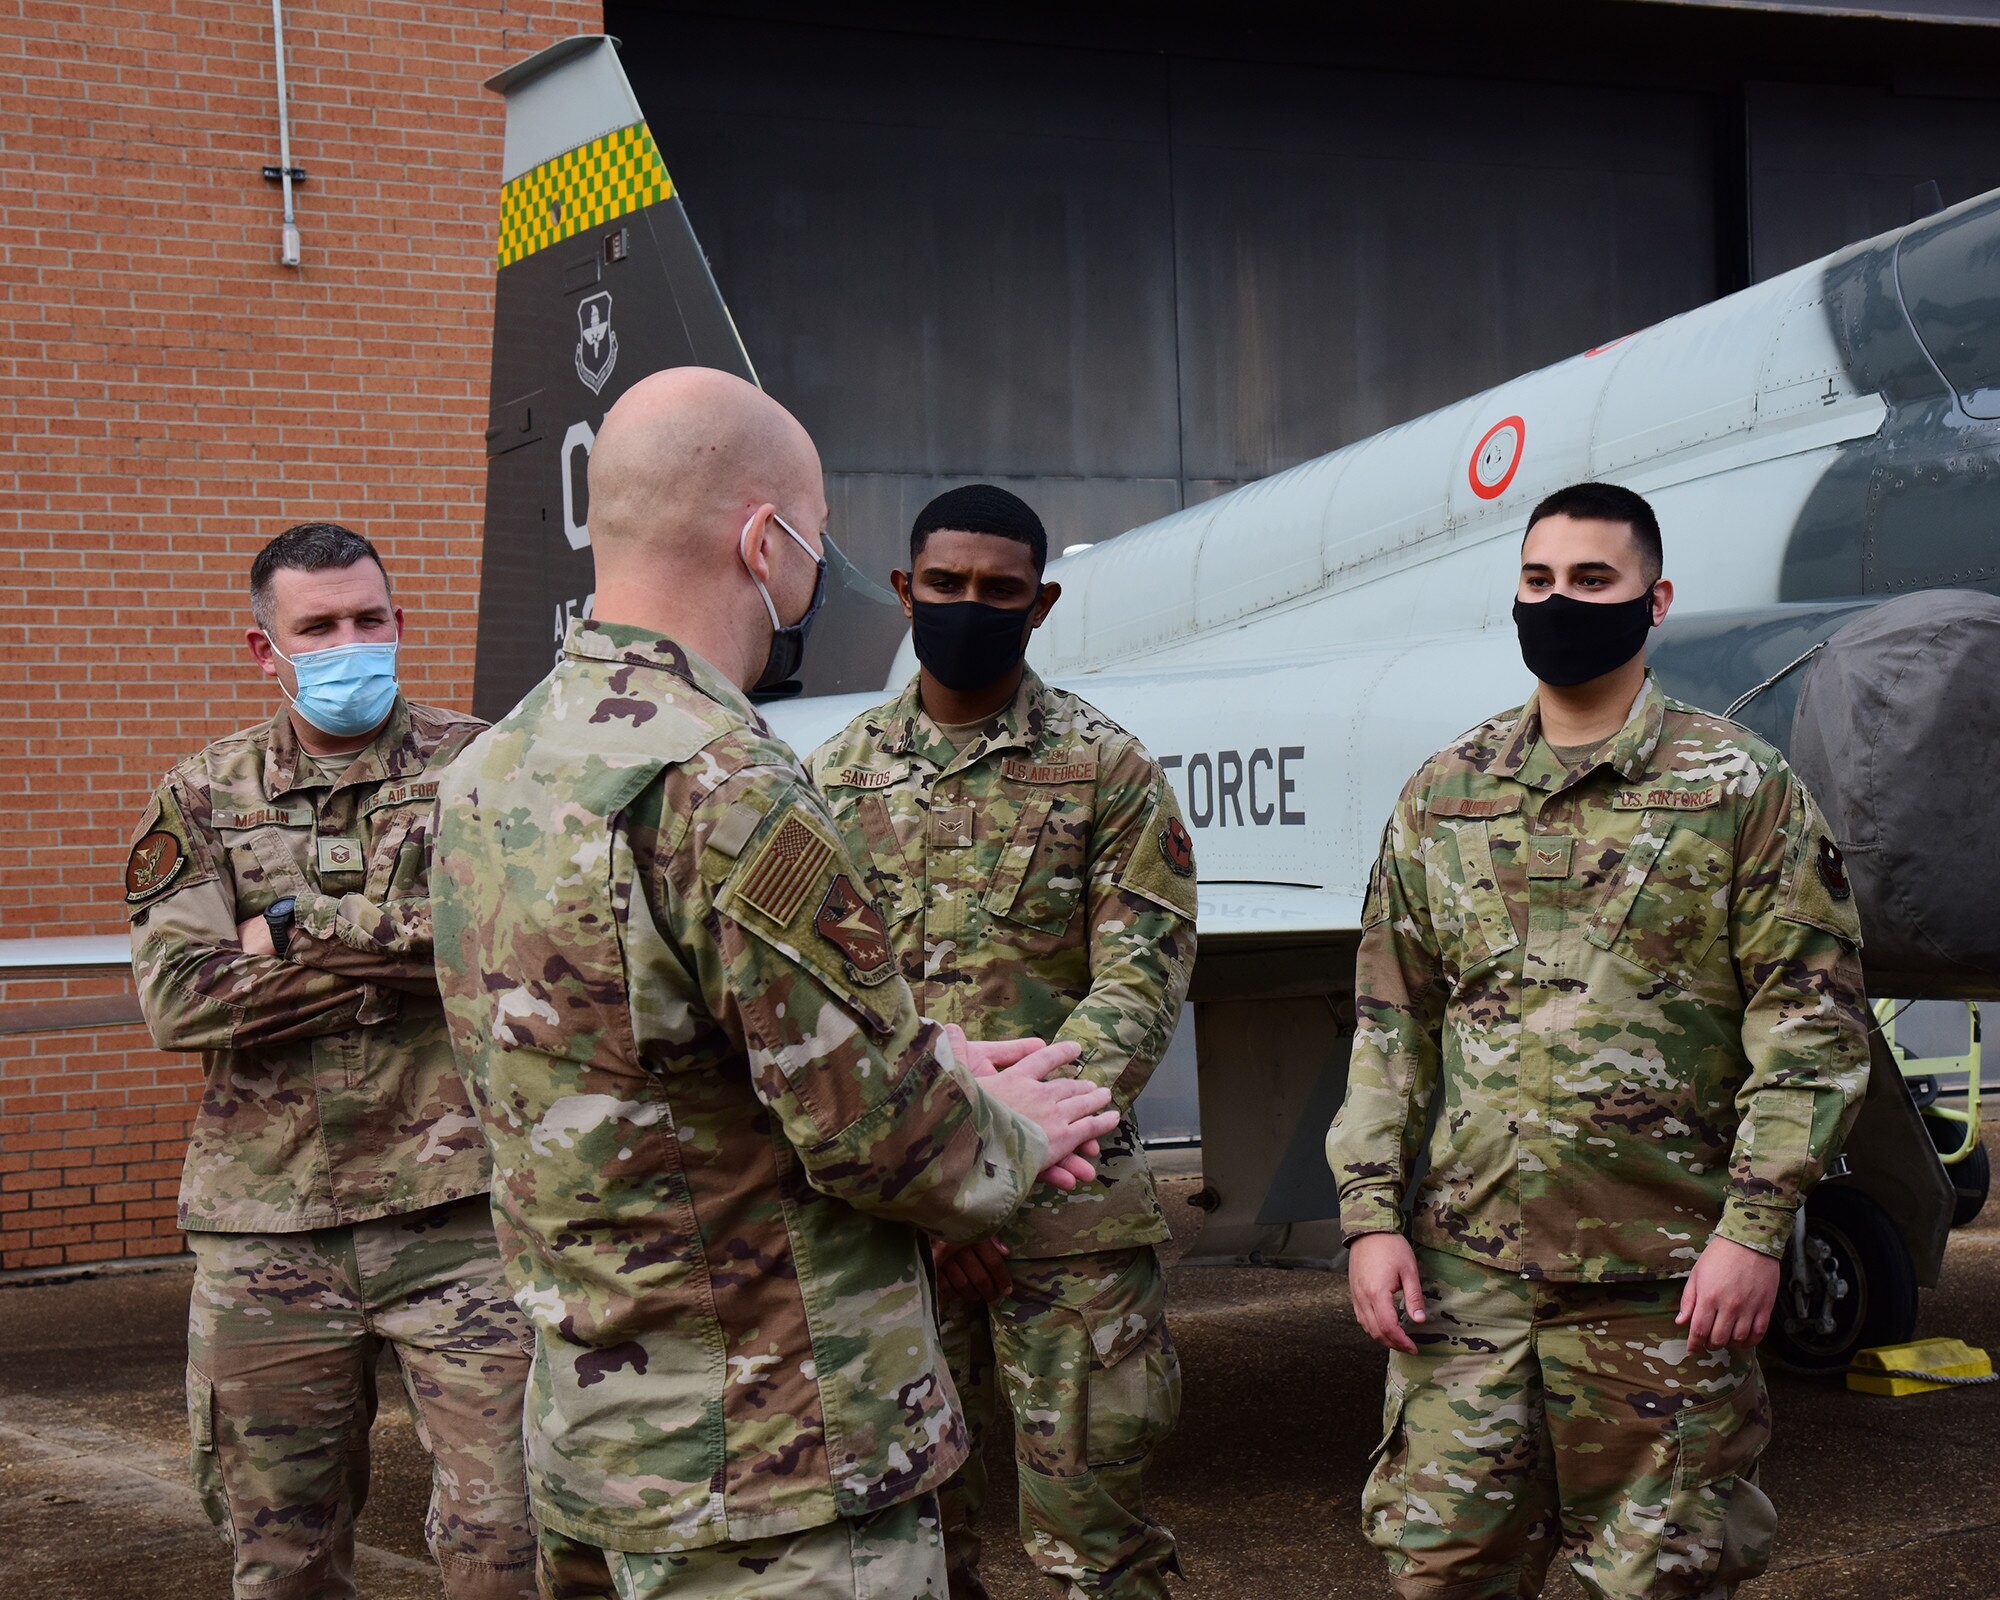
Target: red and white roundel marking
column 1496, row 456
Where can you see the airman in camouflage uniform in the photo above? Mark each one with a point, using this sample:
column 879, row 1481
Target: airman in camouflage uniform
column 1036, row 879
column 1621, row 988
column 715, row 1113
column 335, row 1186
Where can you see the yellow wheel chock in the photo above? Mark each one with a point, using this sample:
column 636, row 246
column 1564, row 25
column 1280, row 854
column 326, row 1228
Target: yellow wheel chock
column 1916, row 1368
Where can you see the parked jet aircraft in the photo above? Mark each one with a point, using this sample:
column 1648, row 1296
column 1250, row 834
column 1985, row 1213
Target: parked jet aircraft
column 1822, row 449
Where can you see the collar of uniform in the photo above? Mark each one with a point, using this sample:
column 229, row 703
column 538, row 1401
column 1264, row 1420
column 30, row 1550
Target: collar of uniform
column 620, row 643
column 389, row 755
column 1525, row 755
column 909, row 730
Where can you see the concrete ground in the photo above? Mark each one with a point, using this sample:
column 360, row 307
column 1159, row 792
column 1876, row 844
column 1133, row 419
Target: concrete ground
column 1880, row 1499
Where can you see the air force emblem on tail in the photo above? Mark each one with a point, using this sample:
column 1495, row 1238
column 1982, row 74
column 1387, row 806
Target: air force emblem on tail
column 596, row 343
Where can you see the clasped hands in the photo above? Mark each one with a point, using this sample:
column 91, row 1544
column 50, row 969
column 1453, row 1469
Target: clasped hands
column 1073, row 1113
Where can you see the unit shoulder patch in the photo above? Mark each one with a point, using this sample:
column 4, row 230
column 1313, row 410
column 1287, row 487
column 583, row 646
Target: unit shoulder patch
column 1818, row 888
column 847, row 920
column 1161, row 865
column 157, row 859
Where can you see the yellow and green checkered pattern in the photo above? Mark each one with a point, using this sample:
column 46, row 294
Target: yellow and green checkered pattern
column 585, row 188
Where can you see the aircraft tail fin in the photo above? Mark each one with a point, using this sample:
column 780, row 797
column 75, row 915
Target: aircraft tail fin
column 598, row 282
column 581, row 161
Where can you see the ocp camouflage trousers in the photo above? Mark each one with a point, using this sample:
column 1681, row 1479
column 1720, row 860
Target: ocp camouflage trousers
column 1081, row 1349
column 1544, row 1417
column 895, row 1554
column 284, row 1331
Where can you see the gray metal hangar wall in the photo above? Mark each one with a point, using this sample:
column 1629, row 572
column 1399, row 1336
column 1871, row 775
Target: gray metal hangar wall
column 1126, row 257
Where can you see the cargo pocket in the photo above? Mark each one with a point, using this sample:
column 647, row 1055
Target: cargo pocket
column 1671, row 905
column 1468, row 910
column 895, row 881
column 1038, row 883
column 1718, row 1524
column 1132, row 1397
column 203, row 1458
column 397, row 857
column 1385, row 1494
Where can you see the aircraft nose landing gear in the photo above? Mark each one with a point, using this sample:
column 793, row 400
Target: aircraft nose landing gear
column 1850, row 1284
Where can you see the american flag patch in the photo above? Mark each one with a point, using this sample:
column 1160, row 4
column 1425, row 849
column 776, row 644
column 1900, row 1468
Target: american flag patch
column 785, row 871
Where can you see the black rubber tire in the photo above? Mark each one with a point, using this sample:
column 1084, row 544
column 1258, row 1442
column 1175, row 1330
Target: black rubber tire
column 1881, row 1304
column 1970, row 1179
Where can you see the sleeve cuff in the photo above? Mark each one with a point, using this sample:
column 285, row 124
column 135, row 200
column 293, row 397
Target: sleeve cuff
column 317, row 915
column 1765, row 1229
column 1369, row 1210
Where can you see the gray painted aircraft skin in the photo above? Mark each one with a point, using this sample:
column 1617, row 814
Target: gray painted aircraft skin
column 1815, row 445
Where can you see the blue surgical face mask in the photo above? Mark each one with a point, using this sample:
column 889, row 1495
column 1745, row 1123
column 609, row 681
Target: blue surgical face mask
column 345, row 691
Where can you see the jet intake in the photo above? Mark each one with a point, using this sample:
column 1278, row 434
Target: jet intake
column 1897, row 734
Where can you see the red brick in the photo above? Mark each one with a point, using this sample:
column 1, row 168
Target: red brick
column 164, row 428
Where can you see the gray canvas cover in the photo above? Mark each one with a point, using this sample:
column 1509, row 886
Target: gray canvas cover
column 1897, row 734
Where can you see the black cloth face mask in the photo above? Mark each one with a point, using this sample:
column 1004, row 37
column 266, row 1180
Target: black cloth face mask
column 1566, row 641
column 966, row 644
column 778, row 680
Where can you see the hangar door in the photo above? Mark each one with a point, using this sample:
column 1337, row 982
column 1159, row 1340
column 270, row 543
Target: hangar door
column 1124, row 281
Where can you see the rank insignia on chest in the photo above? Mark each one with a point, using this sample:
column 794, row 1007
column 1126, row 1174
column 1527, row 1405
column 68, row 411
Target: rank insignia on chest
column 155, row 862
column 951, row 828
column 1177, row 849
column 337, row 855
column 848, row 921
column 1833, row 869
column 1548, row 858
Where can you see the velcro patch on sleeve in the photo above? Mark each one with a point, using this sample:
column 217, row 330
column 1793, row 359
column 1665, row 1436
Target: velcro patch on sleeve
column 734, row 831
column 787, row 867
column 158, row 861
column 1818, row 889
column 847, row 920
column 1161, row 867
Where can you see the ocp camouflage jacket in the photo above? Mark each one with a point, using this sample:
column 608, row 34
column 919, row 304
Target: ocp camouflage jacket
column 1040, row 883
column 1637, row 988
column 717, row 1120
column 330, row 1093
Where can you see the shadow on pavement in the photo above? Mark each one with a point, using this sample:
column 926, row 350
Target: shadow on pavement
column 1878, row 1498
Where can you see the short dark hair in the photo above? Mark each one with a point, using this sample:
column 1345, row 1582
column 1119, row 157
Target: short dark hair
column 306, row 547
column 982, row 508
column 1608, row 502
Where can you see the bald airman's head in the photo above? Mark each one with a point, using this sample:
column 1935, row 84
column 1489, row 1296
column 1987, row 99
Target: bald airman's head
column 694, row 477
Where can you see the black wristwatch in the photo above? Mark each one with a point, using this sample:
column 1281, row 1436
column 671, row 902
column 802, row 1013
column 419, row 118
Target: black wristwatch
column 278, row 918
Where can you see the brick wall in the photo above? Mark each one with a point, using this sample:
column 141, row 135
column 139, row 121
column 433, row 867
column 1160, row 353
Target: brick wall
column 169, row 398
